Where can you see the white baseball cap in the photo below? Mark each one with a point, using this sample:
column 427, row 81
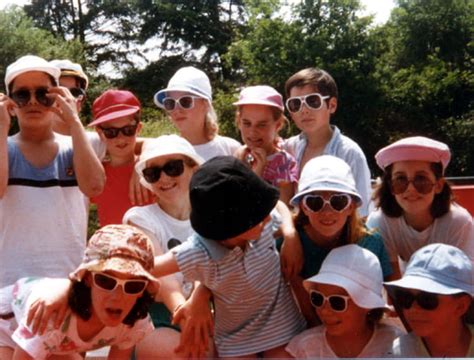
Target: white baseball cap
column 326, row 173
column 356, row 270
column 29, row 63
column 162, row 146
column 188, row 79
column 68, row 68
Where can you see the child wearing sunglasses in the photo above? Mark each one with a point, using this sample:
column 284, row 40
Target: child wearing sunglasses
column 326, row 218
column 312, row 98
column 347, row 296
column 414, row 200
column 259, row 118
column 187, row 100
column 433, row 298
column 107, row 299
column 117, row 122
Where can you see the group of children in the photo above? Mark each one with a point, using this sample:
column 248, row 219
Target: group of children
column 211, row 209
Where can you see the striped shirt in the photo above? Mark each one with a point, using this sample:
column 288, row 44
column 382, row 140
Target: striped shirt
column 255, row 310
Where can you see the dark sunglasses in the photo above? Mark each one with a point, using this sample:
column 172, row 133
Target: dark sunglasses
column 112, row 132
column 313, row 101
column 23, row 96
column 76, row 92
column 425, row 300
column 172, row 168
column 185, row 102
column 421, row 183
column 337, row 202
column 338, row 303
column 110, row 283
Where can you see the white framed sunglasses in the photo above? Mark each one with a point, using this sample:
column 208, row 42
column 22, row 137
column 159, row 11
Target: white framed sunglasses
column 184, row 102
column 337, row 202
column 338, row 303
column 109, row 283
column 313, row 101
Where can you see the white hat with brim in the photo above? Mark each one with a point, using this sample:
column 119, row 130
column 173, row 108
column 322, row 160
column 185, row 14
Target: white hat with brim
column 162, row 146
column 68, row 68
column 29, row 63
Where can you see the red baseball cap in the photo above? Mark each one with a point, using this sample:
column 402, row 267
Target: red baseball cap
column 114, row 104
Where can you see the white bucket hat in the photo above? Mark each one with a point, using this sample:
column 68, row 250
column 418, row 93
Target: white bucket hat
column 187, row 79
column 162, row 146
column 326, row 173
column 29, row 63
column 438, row 268
column 356, row 270
column 68, row 68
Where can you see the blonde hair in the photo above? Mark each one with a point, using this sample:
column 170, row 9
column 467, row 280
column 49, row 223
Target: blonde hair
column 210, row 124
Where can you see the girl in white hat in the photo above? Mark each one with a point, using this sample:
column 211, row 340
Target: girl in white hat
column 347, row 296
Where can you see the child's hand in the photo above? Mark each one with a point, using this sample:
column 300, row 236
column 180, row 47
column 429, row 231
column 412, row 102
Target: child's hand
column 65, row 105
column 291, row 256
column 6, row 104
column 137, row 193
column 259, row 156
column 53, row 305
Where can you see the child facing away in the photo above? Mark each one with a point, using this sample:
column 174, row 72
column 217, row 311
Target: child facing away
column 432, row 298
column 108, row 299
column 347, row 296
column 259, row 117
column 187, row 100
column 414, row 200
column 117, row 121
column 233, row 254
column 312, row 100
column 326, row 218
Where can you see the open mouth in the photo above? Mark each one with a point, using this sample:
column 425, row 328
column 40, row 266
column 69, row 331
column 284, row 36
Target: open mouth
column 114, row 312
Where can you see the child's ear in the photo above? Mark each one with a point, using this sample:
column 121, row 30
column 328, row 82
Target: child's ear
column 332, row 106
column 462, row 305
column 439, row 185
column 139, row 128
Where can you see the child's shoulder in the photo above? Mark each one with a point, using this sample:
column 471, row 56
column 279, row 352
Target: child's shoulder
column 306, row 342
column 457, row 215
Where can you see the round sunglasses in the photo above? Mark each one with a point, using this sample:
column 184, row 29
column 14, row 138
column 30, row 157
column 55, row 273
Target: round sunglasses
column 185, row 102
column 313, row 101
column 110, row 283
column 421, row 183
column 173, row 168
column 77, row 92
column 425, row 300
column 23, row 96
column 112, row 132
column 338, row 303
column 337, row 202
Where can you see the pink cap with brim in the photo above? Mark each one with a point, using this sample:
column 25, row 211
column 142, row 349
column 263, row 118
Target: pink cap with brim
column 114, row 104
column 417, row 148
column 260, row 95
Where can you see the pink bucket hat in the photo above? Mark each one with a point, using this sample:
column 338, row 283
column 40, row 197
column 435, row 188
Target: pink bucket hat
column 260, row 95
column 114, row 104
column 417, row 148
column 121, row 248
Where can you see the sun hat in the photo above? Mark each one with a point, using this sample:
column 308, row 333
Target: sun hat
column 260, row 95
column 227, row 198
column 356, row 270
column 416, row 148
column 326, row 173
column 68, row 68
column 121, row 248
column 189, row 79
column 438, row 268
column 162, row 146
column 29, row 63
column 114, row 104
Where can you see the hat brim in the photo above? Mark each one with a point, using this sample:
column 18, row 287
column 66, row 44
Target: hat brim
column 388, row 156
column 52, row 71
column 160, row 95
column 115, row 115
column 422, row 283
column 295, row 200
column 362, row 296
column 258, row 102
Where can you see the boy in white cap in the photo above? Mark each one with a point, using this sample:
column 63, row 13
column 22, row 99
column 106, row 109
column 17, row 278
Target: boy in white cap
column 347, row 295
column 432, row 298
column 43, row 175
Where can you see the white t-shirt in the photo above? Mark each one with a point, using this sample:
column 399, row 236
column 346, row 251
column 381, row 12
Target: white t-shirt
column 312, row 343
column 99, row 147
column 401, row 240
column 165, row 231
column 220, row 145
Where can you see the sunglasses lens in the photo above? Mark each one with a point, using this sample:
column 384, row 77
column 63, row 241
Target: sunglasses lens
column 174, row 168
column 152, row 174
column 134, row 286
column 129, row 130
column 76, row 92
column 404, row 299
column 105, row 282
column 293, row 104
column 316, row 298
column 339, row 202
column 337, row 303
column 422, row 184
column 314, row 202
column 42, row 98
column 427, row 301
column 186, row 102
column 110, row 133
column 399, row 185
column 21, row 97
column 314, row 101
column 169, row 104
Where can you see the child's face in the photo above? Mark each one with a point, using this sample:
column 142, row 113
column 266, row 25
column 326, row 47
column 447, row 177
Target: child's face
column 346, row 322
column 112, row 306
column 242, row 239
column 308, row 120
column 188, row 120
column 33, row 113
column 411, row 200
column 123, row 144
column 327, row 223
column 72, row 82
column 258, row 127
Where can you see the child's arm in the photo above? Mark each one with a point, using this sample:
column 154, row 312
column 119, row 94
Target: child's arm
column 20, row 354
column 5, row 105
column 303, row 301
column 165, row 265
column 116, row 354
column 287, row 190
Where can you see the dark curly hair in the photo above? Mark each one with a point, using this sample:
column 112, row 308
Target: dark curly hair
column 80, row 302
column 385, row 200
